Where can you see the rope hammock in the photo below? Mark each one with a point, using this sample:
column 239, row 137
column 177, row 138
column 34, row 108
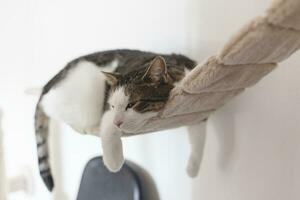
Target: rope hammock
column 249, row 56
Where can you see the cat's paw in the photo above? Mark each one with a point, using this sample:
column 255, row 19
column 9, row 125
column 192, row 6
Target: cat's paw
column 113, row 165
column 193, row 166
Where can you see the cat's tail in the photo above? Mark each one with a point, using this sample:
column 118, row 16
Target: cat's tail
column 42, row 132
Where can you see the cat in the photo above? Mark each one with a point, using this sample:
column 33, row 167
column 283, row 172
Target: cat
column 107, row 93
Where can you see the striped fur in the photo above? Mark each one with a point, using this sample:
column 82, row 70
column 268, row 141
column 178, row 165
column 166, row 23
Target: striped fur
column 42, row 131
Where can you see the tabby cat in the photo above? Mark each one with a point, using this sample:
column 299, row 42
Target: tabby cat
column 107, row 93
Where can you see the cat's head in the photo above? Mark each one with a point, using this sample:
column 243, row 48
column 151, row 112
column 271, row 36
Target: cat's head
column 139, row 95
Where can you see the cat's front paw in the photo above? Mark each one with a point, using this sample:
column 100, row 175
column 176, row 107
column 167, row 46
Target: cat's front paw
column 193, row 165
column 113, row 165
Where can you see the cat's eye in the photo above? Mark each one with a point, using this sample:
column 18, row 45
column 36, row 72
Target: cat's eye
column 130, row 105
column 112, row 106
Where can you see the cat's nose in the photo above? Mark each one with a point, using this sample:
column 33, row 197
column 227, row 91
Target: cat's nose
column 118, row 123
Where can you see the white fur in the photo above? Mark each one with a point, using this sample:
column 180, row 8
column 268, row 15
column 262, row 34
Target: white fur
column 111, row 134
column 78, row 99
column 197, row 135
column 111, row 143
column 119, row 100
column 132, row 120
column 39, row 139
column 43, row 166
column 42, row 151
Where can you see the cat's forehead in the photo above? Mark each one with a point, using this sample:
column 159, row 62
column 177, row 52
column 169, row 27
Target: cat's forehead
column 137, row 91
column 147, row 92
column 118, row 97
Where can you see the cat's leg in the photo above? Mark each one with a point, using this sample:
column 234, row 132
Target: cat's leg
column 197, row 135
column 111, row 143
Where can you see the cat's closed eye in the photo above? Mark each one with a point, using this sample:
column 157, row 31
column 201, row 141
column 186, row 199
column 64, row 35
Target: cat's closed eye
column 130, row 105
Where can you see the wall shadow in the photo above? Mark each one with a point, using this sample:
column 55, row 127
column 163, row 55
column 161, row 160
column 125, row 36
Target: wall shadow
column 223, row 124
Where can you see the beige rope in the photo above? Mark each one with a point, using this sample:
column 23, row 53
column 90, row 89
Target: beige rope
column 249, row 56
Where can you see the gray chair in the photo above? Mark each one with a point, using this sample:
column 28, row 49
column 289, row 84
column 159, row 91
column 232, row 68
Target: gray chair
column 130, row 183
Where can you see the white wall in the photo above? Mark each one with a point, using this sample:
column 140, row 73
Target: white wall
column 252, row 149
column 252, row 145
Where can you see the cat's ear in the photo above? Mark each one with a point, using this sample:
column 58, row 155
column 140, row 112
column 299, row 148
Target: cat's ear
column 157, row 70
column 112, row 78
